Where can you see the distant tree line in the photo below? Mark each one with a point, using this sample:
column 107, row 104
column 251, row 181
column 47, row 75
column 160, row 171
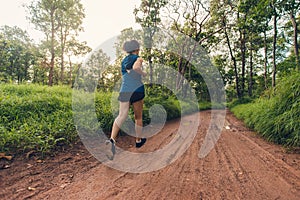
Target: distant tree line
column 252, row 42
column 50, row 61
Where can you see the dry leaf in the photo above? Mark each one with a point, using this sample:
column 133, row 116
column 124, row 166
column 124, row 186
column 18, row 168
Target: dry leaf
column 31, row 188
column 29, row 166
column 2, row 155
column 64, row 185
column 6, row 167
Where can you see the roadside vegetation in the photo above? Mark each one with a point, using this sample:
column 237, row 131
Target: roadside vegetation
column 40, row 118
column 275, row 115
column 251, row 47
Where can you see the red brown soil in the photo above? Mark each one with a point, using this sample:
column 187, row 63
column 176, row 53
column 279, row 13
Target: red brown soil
column 241, row 166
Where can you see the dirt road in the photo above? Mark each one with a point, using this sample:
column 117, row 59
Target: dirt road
column 241, row 166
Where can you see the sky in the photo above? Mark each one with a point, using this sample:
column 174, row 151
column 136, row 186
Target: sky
column 104, row 19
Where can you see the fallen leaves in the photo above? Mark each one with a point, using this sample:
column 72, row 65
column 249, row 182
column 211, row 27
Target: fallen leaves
column 31, row 188
column 2, row 155
column 5, row 166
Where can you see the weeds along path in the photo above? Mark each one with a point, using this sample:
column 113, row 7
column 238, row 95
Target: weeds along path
column 241, row 166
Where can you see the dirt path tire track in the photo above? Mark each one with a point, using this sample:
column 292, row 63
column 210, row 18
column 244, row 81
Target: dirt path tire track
column 241, row 166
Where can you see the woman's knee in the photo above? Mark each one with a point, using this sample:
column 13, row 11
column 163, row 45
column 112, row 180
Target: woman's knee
column 122, row 117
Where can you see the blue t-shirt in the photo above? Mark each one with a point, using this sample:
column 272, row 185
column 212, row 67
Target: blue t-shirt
column 132, row 81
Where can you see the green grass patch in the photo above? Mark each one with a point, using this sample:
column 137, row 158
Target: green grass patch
column 40, row 118
column 276, row 118
column 35, row 118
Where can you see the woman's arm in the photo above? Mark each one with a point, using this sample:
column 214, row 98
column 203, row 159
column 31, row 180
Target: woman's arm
column 137, row 66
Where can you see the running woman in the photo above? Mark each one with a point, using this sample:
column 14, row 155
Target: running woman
column 132, row 92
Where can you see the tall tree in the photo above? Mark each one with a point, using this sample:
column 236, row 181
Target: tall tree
column 263, row 15
column 275, row 19
column 92, row 73
column 190, row 18
column 44, row 14
column 70, row 16
column 60, row 21
column 17, row 54
column 291, row 7
column 73, row 48
column 242, row 26
column 276, row 10
column 224, row 17
column 148, row 16
column 254, row 23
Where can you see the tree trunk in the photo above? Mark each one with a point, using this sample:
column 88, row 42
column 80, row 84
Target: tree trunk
column 148, row 40
column 243, row 57
column 250, row 84
column 274, row 49
column 183, row 65
column 62, row 67
column 179, row 68
column 150, row 68
column 296, row 47
column 234, row 64
column 266, row 60
column 51, row 71
column 71, row 71
column 63, row 47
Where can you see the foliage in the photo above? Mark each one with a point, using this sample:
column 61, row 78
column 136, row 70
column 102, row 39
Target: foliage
column 61, row 22
column 239, row 34
column 40, row 118
column 148, row 16
column 252, row 41
column 236, row 102
column 17, row 55
column 35, row 118
column 276, row 118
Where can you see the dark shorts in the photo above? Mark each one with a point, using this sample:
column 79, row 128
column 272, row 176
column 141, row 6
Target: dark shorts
column 131, row 96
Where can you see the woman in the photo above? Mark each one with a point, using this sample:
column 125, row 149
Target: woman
column 132, row 92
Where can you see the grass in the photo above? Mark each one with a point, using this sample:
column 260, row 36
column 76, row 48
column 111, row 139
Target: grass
column 35, row 118
column 276, row 118
column 40, row 118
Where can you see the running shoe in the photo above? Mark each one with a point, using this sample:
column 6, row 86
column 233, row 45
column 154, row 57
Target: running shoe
column 111, row 149
column 141, row 143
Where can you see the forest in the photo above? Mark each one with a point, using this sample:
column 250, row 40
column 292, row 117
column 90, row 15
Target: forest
column 252, row 44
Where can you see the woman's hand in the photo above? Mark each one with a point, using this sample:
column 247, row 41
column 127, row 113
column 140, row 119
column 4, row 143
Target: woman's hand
column 140, row 60
column 138, row 66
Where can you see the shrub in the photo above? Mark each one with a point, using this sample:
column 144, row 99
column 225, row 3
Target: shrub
column 276, row 118
column 35, row 118
column 41, row 118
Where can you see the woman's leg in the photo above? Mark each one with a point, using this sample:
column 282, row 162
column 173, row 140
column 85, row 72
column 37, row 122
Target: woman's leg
column 123, row 113
column 138, row 116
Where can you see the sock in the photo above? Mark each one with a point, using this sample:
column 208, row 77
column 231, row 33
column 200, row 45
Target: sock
column 112, row 140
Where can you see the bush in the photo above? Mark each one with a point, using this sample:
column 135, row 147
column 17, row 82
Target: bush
column 41, row 118
column 276, row 118
column 236, row 102
column 35, row 118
